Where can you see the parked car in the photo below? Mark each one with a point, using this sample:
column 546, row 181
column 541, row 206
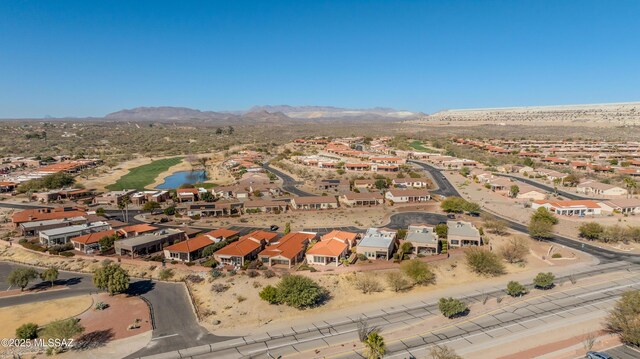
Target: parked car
column 273, row 228
column 451, row 216
column 598, row 355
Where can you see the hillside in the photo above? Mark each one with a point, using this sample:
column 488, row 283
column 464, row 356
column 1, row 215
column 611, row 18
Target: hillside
column 612, row 114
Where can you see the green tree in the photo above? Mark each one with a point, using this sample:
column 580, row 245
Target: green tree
column 375, row 346
column 49, row 275
column 27, row 331
column 451, row 307
column 484, row 262
column 150, row 206
column 287, row 228
column 441, row 230
column 208, row 196
column 453, row 204
column 106, row 242
column 112, row 278
column 515, row 289
column 515, row 251
column 465, row 171
column 544, row 280
column 100, row 212
column 418, row 271
column 170, row 211
column 540, row 229
column 591, row 230
column 623, row 318
column 471, row 207
column 514, row 190
column 544, row 214
column 21, row 277
column 528, row 162
column 381, row 183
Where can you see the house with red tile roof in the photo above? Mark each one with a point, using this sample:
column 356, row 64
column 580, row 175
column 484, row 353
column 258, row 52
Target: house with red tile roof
column 43, row 214
column 222, row 234
column 360, row 199
column 136, row 230
column 187, row 194
column 6, row 186
column 288, row 250
column 188, row 250
column 331, row 248
column 569, row 207
column 90, row 243
column 245, row 249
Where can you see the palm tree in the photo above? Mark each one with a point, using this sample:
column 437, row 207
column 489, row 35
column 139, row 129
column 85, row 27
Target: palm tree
column 124, row 206
column 375, row 346
column 631, row 185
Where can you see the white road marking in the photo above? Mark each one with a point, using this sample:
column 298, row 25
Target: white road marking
column 165, row 336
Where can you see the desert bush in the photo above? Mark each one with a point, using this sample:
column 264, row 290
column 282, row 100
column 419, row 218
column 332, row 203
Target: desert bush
column 397, row 281
column 367, row 283
column 544, row 280
column 484, row 262
column 515, row 289
column 451, row 307
column 418, row 271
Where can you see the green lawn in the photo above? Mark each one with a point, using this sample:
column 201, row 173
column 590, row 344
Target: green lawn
column 418, row 146
column 142, row 176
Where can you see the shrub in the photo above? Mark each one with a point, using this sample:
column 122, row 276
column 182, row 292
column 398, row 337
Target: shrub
column 362, row 257
column 252, row 274
column 219, row 287
column 418, row 271
column 165, row 274
column 101, row 306
column 516, row 289
column 64, row 328
column 623, row 318
column 112, row 278
column 397, row 281
column 515, row 251
column 484, row 262
column 211, row 263
column 67, row 254
column 269, row 294
column 268, row 273
column 299, row 292
column 591, row 230
column 443, row 352
column 216, row 274
column 27, row 331
column 556, row 255
column 544, row 280
column 193, row 278
column 451, row 307
column 367, row 283
column 240, row 298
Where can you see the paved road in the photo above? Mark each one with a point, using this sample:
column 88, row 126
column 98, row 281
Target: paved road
column 288, row 182
column 176, row 326
column 444, row 187
column 405, row 219
column 623, row 352
column 303, row 340
column 549, row 189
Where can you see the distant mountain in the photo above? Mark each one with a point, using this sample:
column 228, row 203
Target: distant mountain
column 313, row 112
column 283, row 113
column 166, row 113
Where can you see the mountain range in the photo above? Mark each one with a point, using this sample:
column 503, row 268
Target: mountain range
column 282, row 113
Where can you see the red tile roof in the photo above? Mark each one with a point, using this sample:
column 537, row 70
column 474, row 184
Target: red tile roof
column 93, row 237
column 30, row 215
column 191, row 245
column 222, row 233
column 288, row 246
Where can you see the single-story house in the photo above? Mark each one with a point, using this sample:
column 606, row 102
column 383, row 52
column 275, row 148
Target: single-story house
column 148, row 243
column 377, row 243
column 355, row 199
column 62, row 235
column 244, row 249
column 364, row 184
column 90, row 243
column 411, row 182
column 288, row 250
column 552, row 175
column 136, row 230
column 6, row 186
column 43, row 214
column 113, row 198
column 501, row 184
column 569, row 207
column 188, row 250
column 526, row 191
column 423, row 239
column 407, row 195
column 621, row 205
column 222, row 234
column 331, row 248
column 264, row 206
column 599, row 188
column 35, row 227
column 333, row 185
column 462, row 234
column 314, row 202
column 187, row 194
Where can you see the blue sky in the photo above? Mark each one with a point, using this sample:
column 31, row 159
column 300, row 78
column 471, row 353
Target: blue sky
column 89, row 58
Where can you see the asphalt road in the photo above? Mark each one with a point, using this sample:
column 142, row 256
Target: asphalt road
column 623, row 352
column 545, row 187
column 552, row 308
column 176, row 326
column 288, row 182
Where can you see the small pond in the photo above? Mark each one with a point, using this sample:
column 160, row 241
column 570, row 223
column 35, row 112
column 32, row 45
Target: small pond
column 177, row 179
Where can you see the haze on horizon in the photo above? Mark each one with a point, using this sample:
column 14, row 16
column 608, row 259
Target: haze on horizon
column 78, row 58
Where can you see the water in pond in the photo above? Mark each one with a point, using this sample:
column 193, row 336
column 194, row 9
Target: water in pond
column 177, row 179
